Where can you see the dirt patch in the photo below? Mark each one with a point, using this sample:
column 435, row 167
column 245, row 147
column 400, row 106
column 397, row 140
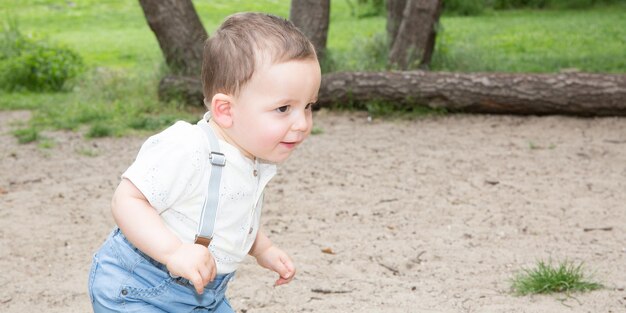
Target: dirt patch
column 431, row 215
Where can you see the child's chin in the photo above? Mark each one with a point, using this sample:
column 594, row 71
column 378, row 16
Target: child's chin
column 277, row 159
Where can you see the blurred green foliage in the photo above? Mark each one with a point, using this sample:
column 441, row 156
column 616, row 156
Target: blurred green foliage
column 476, row 7
column 463, row 7
column 26, row 135
column 366, row 8
column 533, row 41
column 35, row 65
column 550, row 4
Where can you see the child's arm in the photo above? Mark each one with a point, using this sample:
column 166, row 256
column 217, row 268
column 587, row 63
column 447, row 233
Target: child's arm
column 143, row 227
column 272, row 258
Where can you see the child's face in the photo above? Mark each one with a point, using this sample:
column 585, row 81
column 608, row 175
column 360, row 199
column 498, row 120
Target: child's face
column 272, row 114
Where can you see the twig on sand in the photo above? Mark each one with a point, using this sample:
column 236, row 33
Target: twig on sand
column 394, row 270
column 614, row 141
column 387, row 200
column 328, row 291
column 586, row 229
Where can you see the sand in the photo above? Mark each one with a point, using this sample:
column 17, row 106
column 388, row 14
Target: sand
column 430, row 215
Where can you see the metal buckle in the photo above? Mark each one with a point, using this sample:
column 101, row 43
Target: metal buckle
column 217, row 158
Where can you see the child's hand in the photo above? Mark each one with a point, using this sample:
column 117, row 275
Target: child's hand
column 278, row 261
column 193, row 262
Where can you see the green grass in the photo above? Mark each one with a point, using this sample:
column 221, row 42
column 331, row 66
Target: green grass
column 107, row 102
column 545, row 278
column 114, row 33
column 116, row 95
column 88, row 152
column 27, row 135
column 399, row 110
column 317, row 131
column 534, row 41
column 46, row 143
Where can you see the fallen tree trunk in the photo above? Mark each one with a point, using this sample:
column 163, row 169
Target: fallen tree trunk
column 565, row 93
column 536, row 94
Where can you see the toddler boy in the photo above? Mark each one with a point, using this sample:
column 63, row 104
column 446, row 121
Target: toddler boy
column 260, row 78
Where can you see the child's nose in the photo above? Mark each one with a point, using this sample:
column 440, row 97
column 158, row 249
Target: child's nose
column 301, row 122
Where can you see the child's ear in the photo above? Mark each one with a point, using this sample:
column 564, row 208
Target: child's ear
column 221, row 112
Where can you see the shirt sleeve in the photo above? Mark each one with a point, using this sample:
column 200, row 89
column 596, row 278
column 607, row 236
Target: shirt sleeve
column 168, row 165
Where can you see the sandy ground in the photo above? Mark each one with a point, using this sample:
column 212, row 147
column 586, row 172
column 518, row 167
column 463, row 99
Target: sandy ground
column 431, row 215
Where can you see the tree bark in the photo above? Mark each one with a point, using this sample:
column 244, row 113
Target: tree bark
column 312, row 18
column 395, row 9
column 185, row 88
column 538, row 94
column 179, row 32
column 414, row 42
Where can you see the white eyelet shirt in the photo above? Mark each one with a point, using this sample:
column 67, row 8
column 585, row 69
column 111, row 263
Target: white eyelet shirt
column 172, row 171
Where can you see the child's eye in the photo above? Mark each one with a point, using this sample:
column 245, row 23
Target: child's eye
column 283, row 109
column 310, row 105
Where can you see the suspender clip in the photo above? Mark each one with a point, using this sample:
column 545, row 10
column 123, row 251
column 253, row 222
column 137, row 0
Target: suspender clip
column 217, row 158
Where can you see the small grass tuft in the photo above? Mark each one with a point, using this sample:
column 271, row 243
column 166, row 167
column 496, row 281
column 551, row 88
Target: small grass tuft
column 27, row 135
column 396, row 109
column 46, row 143
column 545, row 278
column 316, row 131
column 99, row 130
column 88, row 152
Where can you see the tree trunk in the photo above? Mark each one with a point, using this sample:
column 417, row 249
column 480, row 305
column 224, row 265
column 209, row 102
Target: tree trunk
column 179, row 32
column 538, row 94
column 415, row 40
column 185, row 88
column 568, row 93
column 395, row 8
column 312, row 18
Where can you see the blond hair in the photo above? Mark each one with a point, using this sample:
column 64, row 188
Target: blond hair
column 244, row 40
